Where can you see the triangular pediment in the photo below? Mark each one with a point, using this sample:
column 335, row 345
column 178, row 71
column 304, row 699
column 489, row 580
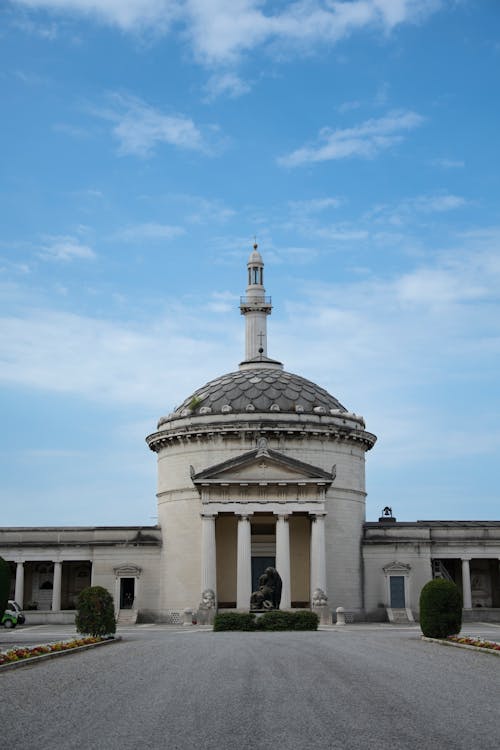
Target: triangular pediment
column 396, row 568
column 263, row 465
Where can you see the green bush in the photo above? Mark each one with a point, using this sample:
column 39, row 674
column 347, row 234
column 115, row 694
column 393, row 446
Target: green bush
column 282, row 620
column 275, row 619
column 4, row 585
column 234, row 621
column 440, row 609
column 95, row 612
column 306, row 620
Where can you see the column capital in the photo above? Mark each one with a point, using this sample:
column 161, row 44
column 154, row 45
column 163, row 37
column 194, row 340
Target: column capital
column 317, row 515
column 210, row 515
column 466, row 559
column 282, row 516
column 244, row 515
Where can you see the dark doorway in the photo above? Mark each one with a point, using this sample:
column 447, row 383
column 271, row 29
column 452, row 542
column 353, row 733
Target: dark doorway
column 127, row 593
column 259, row 564
column 398, row 592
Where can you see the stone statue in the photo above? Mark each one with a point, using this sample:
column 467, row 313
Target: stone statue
column 206, row 609
column 268, row 595
column 319, row 598
column 320, row 606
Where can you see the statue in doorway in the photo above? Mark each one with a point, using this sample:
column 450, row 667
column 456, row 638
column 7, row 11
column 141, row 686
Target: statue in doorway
column 268, row 595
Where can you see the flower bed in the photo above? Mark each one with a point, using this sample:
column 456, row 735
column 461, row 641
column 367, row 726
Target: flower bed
column 468, row 640
column 30, row 652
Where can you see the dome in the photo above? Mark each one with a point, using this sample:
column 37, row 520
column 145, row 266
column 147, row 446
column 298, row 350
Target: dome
column 259, row 390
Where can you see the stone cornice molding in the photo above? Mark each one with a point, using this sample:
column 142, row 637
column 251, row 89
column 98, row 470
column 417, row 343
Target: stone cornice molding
column 127, row 570
column 252, row 426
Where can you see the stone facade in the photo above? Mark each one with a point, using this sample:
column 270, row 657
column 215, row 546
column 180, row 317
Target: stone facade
column 257, row 468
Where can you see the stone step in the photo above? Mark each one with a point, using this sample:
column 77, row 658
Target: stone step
column 127, row 617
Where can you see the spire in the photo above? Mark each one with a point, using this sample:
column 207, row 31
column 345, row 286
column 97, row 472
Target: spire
column 255, row 306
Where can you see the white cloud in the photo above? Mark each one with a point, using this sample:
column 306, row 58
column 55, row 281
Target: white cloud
column 221, row 30
column 105, row 361
column 223, row 302
column 449, row 163
column 148, row 231
column 409, row 208
column 226, row 84
column 65, row 248
column 365, row 140
column 126, row 14
column 315, row 205
column 140, row 128
column 438, row 203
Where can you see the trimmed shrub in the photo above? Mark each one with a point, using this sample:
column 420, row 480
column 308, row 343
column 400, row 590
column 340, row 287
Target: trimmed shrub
column 440, row 609
column 95, row 612
column 4, row 585
column 234, row 621
column 306, row 620
column 275, row 619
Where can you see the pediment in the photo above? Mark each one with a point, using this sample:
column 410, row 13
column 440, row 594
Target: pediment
column 397, row 567
column 263, row 465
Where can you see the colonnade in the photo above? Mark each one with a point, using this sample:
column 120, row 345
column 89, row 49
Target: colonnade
column 244, row 556
column 56, row 583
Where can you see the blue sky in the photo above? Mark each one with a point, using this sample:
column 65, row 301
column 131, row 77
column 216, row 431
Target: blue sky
column 146, row 142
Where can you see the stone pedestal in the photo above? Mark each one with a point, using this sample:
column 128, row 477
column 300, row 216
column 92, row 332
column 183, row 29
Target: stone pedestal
column 340, row 615
column 188, row 617
column 323, row 612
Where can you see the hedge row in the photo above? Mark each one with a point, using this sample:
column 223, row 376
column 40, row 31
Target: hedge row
column 274, row 620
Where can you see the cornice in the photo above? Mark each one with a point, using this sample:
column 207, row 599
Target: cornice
column 236, row 427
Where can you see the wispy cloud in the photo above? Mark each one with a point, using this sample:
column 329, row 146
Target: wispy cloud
column 65, row 248
column 140, row 128
column 449, row 163
column 225, row 84
column 315, row 205
column 365, row 141
column 148, row 231
column 220, row 31
column 129, row 15
column 404, row 211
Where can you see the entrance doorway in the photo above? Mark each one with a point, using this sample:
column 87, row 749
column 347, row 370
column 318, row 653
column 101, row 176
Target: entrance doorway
column 259, row 564
column 127, row 593
column 397, row 586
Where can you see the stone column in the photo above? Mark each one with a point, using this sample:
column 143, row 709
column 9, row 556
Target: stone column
column 466, row 588
column 244, row 564
column 318, row 553
column 19, row 592
column 283, row 559
column 56, row 590
column 208, row 553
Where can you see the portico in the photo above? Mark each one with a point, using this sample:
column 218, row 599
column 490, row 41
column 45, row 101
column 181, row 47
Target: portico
column 254, row 500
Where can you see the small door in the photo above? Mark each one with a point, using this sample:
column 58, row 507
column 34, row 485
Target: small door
column 259, row 564
column 397, row 584
column 127, row 593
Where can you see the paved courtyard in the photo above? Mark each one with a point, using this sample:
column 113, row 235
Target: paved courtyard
column 179, row 688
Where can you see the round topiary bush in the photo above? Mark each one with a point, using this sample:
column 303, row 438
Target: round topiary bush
column 95, row 612
column 4, row 585
column 440, row 609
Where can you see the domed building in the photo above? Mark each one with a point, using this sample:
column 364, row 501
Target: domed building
column 258, row 468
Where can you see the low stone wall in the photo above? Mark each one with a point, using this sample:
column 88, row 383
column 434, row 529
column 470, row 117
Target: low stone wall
column 481, row 614
column 47, row 617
